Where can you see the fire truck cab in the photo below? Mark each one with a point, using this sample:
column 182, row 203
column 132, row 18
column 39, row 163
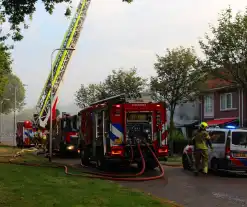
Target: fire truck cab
column 65, row 134
column 111, row 129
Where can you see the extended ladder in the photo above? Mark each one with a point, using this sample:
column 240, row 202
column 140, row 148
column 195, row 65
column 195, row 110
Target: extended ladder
column 145, row 97
column 60, row 65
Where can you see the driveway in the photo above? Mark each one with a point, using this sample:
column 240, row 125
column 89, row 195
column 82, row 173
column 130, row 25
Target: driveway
column 185, row 189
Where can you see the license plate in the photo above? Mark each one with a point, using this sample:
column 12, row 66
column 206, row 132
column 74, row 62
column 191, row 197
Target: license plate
column 240, row 155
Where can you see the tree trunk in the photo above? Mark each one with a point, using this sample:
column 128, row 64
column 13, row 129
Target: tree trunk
column 171, row 129
column 171, row 122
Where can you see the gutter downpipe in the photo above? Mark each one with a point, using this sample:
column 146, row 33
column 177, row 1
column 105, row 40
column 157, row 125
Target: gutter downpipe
column 239, row 107
column 242, row 108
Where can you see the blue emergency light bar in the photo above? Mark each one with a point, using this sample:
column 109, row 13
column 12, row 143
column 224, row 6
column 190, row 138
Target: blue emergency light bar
column 231, row 127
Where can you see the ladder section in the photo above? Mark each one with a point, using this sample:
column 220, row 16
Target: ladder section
column 143, row 97
column 60, row 64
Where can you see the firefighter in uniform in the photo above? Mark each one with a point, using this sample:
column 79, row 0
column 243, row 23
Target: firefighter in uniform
column 44, row 140
column 201, row 141
column 36, row 139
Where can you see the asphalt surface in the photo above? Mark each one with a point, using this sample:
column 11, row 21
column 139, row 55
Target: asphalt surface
column 183, row 188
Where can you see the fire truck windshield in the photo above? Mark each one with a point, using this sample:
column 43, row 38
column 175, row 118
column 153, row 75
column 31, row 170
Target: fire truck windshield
column 68, row 125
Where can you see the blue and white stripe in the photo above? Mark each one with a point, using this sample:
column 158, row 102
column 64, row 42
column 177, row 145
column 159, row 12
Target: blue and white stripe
column 28, row 133
column 116, row 132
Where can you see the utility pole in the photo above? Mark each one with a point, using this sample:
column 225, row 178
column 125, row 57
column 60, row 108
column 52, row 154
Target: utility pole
column 14, row 116
column 51, row 100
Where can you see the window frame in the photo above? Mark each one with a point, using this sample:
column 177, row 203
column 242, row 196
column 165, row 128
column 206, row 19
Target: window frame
column 208, row 100
column 223, row 97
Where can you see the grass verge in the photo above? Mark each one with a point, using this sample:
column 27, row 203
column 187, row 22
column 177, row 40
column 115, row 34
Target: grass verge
column 35, row 186
column 173, row 160
column 177, row 159
column 7, row 150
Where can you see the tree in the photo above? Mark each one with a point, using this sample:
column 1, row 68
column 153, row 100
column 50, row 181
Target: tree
column 226, row 48
column 16, row 11
column 9, row 94
column 119, row 81
column 5, row 68
column 88, row 94
column 177, row 78
column 124, row 81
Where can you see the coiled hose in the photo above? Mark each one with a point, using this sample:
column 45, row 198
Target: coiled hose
column 131, row 177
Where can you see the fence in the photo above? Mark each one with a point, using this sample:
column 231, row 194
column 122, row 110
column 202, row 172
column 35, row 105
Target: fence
column 7, row 138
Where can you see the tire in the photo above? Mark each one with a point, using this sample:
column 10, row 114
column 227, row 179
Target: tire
column 185, row 162
column 214, row 165
column 84, row 156
column 100, row 162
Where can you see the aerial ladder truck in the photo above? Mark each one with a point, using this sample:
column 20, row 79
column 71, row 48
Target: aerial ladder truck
column 59, row 68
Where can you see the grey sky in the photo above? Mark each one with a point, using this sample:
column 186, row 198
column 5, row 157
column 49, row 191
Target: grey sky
column 115, row 35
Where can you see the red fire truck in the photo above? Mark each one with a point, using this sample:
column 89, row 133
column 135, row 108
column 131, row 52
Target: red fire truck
column 112, row 128
column 24, row 134
column 65, row 134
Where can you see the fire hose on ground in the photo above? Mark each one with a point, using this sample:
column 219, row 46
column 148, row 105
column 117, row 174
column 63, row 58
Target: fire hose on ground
column 104, row 176
column 131, row 177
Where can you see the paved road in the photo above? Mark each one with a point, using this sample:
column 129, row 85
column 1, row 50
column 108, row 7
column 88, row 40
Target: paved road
column 187, row 190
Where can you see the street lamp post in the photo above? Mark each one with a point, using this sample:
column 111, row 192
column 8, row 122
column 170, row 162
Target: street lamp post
column 1, row 119
column 51, row 99
column 14, row 116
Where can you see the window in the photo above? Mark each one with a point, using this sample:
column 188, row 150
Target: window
column 225, row 101
column 208, row 104
column 218, row 137
column 239, row 138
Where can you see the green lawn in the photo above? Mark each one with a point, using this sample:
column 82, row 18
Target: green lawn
column 175, row 158
column 39, row 187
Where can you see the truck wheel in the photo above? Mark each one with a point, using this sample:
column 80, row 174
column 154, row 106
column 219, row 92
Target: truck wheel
column 185, row 162
column 84, row 156
column 100, row 164
column 214, row 165
column 103, row 164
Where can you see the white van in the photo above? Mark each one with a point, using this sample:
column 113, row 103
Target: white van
column 229, row 150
